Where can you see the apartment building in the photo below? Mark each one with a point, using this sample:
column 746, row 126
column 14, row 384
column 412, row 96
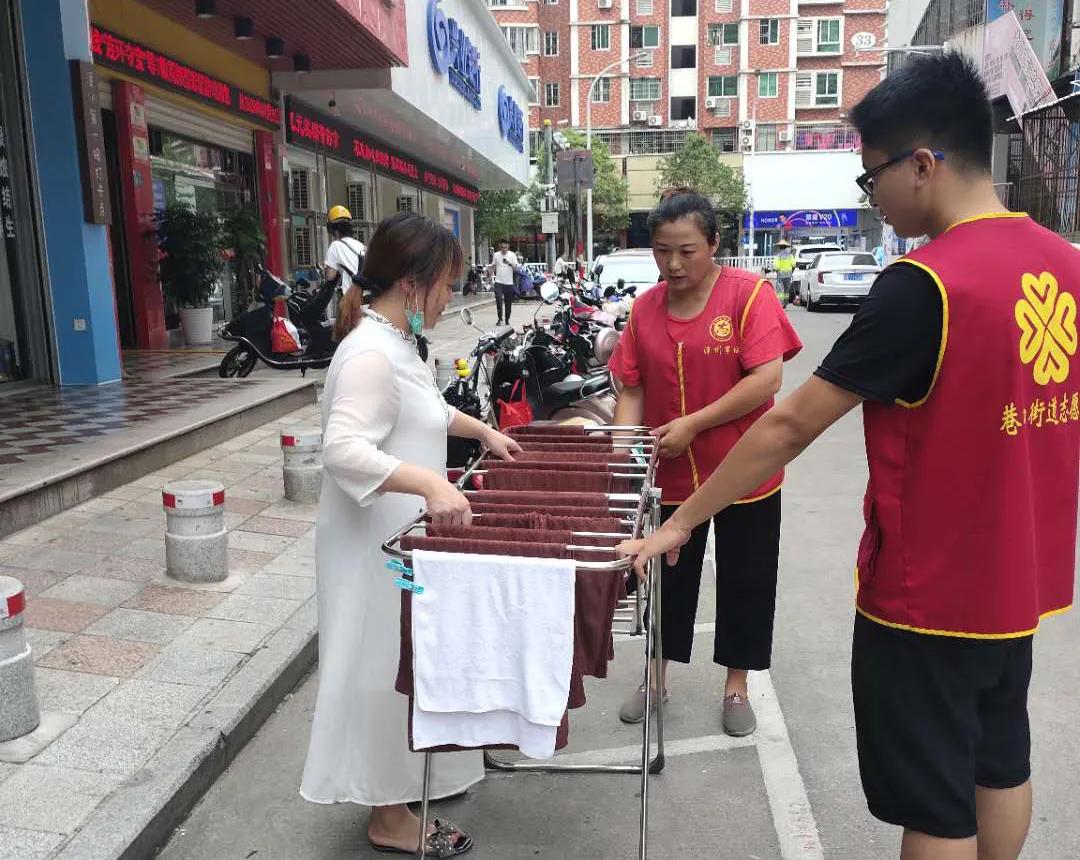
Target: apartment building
column 755, row 76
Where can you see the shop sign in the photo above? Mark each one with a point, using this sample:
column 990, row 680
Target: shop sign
column 1011, row 67
column 803, row 219
column 95, row 175
column 306, row 127
column 138, row 61
column 511, row 120
column 453, row 54
column 1041, row 21
column 7, row 195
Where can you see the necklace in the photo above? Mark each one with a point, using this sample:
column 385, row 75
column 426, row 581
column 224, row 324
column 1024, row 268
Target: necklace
column 379, row 318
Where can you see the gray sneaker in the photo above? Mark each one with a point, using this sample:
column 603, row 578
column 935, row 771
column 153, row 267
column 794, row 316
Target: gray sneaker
column 633, row 709
column 739, row 719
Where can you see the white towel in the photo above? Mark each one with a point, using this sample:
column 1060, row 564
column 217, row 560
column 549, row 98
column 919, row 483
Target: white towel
column 493, row 646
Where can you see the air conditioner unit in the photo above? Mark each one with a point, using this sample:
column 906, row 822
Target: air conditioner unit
column 603, row 4
column 747, row 125
column 748, row 142
column 641, row 115
column 712, row 103
column 784, row 136
column 656, row 121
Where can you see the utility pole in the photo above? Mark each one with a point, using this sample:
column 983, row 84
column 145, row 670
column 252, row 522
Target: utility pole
column 549, row 190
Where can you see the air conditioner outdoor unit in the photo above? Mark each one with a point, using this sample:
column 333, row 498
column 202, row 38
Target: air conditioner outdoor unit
column 712, row 103
column 603, row 4
column 641, row 115
column 748, row 143
column 656, row 121
column 747, row 125
column 784, row 136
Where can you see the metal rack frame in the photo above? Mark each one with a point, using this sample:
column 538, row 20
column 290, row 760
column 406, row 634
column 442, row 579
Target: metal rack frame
column 645, row 513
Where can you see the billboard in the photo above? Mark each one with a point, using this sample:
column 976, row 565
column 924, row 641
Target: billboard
column 803, row 218
column 1041, row 21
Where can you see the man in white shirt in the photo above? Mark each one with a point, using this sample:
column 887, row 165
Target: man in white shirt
column 345, row 255
column 504, row 264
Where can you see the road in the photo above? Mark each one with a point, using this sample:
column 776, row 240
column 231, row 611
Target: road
column 793, row 792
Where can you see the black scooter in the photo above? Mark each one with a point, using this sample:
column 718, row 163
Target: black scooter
column 250, row 330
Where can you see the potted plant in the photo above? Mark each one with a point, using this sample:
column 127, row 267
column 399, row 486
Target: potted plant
column 246, row 241
column 190, row 265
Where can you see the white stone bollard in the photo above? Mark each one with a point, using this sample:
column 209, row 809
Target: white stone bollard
column 18, row 705
column 196, row 543
column 302, row 468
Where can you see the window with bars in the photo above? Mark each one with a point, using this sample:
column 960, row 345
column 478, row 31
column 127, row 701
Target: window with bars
column 724, row 139
column 406, row 204
column 601, row 37
column 358, row 201
column 723, row 86
column 723, row 108
column 723, row 34
column 818, row 36
column 817, row 89
column 551, row 95
column 534, row 91
column 601, row 91
column 769, row 31
column 766, row 138
column 647, row 36
column 645, row 7
column 303, row 248
column 523, row 40
column 723, row 6
column 300, row 190
column 644, row 89
column 551, row 43
column 643, row 141
column 768, row 85
column 722, row 56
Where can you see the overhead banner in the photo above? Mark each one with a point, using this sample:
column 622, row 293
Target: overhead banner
column 803, row 219
column 1041, row 22
column 1011, row 67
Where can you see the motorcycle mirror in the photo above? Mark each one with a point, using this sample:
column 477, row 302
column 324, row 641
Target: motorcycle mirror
column 598, row 270
column 466, row 316
column 549, row 292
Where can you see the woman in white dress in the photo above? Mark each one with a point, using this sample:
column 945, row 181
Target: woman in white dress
column 384, row 455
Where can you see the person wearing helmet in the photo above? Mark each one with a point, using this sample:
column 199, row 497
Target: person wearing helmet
column 346, row 253
column 784, row 265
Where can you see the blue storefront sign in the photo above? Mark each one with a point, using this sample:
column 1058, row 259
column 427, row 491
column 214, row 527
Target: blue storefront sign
column 453, row 54
column 511, row 120
column 803, row 219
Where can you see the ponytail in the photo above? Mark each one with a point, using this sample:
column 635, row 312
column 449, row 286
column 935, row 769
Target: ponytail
column 349, row 311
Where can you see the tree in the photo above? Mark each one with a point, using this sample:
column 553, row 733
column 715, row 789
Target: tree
column 699, row 165
column 499, row 215
column 245, row 244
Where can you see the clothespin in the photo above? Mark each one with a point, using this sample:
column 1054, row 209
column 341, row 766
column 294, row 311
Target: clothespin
column 397, row 565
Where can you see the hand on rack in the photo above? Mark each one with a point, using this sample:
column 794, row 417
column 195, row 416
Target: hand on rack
column 674, row 437
column 447, row 505
column 664, row 541
column 501, row 445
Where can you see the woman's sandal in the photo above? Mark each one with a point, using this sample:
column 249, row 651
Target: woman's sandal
column 445, row 840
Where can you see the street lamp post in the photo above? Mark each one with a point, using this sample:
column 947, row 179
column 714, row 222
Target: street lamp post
column 588, row 147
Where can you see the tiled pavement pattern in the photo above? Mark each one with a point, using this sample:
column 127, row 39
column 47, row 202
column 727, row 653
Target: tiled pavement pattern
column 40, row 420
column 179, row 362
column 132, row 653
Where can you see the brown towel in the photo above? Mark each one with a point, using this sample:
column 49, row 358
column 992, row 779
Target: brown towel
column 554, row 465
column 482, row 507
column 486, row 546
column 483, row 530
column 547, row 428
column 599, row 441
column 532, row 479
column 565, row 447
column 539, row 500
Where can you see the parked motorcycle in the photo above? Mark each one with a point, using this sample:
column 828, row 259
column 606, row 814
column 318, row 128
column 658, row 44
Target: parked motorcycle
column 306, row 310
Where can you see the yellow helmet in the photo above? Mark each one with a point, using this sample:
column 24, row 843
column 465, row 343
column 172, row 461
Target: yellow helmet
column 338, row 213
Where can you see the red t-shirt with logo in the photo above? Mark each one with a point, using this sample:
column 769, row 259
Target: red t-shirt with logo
column 685, row 365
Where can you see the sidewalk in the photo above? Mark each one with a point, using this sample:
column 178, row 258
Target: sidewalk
column 165, row 680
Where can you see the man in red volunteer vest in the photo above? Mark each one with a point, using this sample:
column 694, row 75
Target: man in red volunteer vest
column 965, row 358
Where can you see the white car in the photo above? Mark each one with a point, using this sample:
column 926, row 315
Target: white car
column 838, row 277
column 804, row 256
column 635, row 268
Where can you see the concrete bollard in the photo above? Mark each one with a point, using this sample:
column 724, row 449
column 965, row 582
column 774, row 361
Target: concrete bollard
column 18, row 705
column 302, row 468
column 196, row 543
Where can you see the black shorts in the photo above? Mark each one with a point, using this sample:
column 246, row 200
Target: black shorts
column 936, row 716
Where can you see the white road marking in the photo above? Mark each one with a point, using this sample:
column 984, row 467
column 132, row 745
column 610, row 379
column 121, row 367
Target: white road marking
column 632, row 754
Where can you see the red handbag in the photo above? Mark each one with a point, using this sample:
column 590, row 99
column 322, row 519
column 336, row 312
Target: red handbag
column 515, row 413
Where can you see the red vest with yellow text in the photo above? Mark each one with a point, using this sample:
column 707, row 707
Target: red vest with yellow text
column 972, row 501
column 680, row 378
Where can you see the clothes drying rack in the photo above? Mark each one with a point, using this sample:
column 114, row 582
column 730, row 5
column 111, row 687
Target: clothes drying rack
column 639, row 512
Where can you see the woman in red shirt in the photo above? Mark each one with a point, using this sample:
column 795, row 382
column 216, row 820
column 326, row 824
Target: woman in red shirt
column 700, row 362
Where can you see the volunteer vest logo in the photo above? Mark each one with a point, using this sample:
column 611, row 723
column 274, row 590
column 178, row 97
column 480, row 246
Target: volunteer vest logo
column 721, row 328
column 1047, row 320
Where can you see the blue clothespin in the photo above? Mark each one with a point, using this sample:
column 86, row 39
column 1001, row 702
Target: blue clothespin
column 396, row 564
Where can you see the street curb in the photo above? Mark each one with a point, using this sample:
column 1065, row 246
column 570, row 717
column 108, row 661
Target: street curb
column 136, row 820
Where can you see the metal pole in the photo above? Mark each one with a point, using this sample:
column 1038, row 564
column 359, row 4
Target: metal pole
column 549, row 179
column 421, row 850
column 753, row 149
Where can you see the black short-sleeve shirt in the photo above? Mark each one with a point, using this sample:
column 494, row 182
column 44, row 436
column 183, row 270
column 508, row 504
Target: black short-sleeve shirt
column 890, row 350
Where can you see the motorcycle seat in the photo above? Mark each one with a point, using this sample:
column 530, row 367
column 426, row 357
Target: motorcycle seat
column 572, row 389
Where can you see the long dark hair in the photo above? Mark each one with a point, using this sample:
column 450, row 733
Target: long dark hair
column 406, row 245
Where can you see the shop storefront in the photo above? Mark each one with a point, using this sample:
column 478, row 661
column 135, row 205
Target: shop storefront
column 183, row 120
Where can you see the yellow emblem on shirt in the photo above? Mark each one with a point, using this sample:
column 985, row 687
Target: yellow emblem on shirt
column 721, row 328
column 1047, row 321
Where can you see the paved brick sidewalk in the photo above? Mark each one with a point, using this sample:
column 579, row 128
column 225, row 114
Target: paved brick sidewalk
column 157, row 672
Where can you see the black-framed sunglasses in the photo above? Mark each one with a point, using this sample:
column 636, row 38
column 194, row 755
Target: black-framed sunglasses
column 865, row 181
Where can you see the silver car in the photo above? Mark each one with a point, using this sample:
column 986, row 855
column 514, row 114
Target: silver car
column 838, row 277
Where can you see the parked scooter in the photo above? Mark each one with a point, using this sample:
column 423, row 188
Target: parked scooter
column 250, row 330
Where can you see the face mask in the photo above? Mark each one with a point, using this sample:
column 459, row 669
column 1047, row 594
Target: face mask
column 415, row 318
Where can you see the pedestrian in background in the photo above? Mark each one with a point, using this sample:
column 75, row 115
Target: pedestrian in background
column 345, row 256
column 504, row 265
column 700, row 360
column 384, row 454
column 973, row 443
